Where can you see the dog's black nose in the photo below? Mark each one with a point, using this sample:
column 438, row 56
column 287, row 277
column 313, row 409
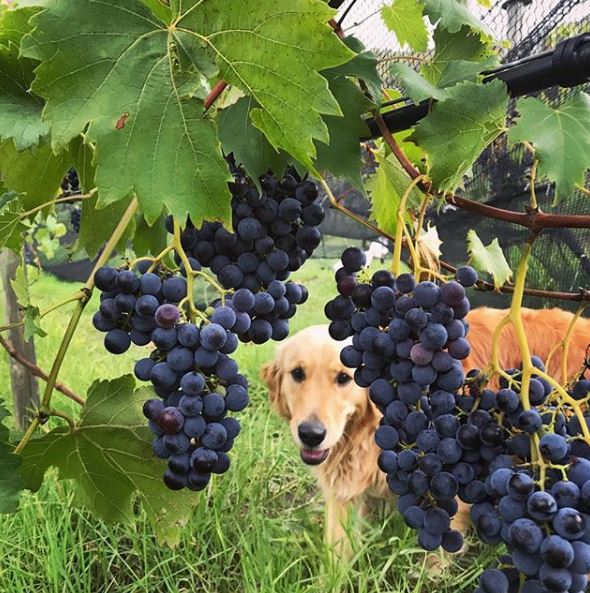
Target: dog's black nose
column 311, row 433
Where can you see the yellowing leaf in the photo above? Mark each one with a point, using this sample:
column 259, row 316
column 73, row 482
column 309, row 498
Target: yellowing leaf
column 386, row 188
column 488, row 258
column 405, row 19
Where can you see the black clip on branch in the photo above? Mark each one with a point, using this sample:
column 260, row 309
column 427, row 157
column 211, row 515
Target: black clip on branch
column 567, row 65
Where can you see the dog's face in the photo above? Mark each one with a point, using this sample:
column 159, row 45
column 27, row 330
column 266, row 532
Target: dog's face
column 314, row 391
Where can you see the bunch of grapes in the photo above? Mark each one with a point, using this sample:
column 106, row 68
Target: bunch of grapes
column 446, row 435
column 76, row 218
column 274, row 232
column 198, row 384
column 196, row 381
column 71, row 183
column 408, row 340
column 538, row 502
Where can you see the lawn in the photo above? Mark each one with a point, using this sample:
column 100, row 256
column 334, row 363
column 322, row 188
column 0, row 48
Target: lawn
column 257, row 529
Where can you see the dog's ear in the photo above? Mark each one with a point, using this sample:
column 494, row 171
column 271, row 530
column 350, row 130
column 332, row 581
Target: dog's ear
column 272, row 376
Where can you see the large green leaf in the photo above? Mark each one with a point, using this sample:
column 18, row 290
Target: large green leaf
column 287, row 45
column 459, row 127
column 452, row 15
column 463, row 46
column 386, row 188
column 405, row 18
column 20, row 110
column 11, row 483
column 488, row 258
column 248, row 144
column 127, row 74
column 110, row 459
column 561, row 137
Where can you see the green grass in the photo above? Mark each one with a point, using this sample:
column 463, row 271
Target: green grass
column 257, row 529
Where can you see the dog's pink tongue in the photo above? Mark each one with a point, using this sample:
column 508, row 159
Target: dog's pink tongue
column 314, row 453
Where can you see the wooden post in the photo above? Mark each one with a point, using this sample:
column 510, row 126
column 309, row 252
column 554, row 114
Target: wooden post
column 25, row 394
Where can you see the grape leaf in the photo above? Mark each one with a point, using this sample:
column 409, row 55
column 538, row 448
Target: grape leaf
column 97, row 223
column 452, row 15
column 488, row 258
column 459, row 127
column 31, row 313
column 342, row 156
column 128, row 85
column 386, row 188
column 11, row 483
column 363, row 66
column 20, row 110
column 7, row 196
column 449, row 47
column 248, row 144
column 37, row 173
column 292, row 43
column 405, row 19
column 459, row 70
column 12, row 228
column 110, row 459
column 20, row 287
column 32, row 323
column 560, row 137
column 149, row 240
column 415, row 85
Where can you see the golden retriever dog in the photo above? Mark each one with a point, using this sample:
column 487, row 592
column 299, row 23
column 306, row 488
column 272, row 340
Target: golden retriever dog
column 332, row 419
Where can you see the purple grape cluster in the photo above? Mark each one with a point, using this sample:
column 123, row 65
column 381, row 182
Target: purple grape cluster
column 196, row 381
column 198, row 384
column 129, row 301
column 274, row 231
column 408, row 340
column 446, row 436
column 543, row 517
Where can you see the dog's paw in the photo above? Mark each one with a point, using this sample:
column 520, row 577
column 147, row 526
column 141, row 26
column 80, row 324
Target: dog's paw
column 437, row 564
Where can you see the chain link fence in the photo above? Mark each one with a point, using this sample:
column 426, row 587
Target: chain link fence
column 501, row 175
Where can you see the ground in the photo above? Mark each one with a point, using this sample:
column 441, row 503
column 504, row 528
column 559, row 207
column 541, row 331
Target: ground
column 257, row 529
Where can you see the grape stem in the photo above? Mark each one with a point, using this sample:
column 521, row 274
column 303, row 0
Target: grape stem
column 75, row 297
column 336, row 204
column 564, row 345
column 64, row 416
column 532, row 181
column 87, row 196
column 109, row 248
column 39, row 372
column 155, row 260
column 401, row 227
column 177, row 244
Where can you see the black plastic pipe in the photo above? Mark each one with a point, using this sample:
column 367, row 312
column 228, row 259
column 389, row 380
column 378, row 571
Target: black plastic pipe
column 567, row 65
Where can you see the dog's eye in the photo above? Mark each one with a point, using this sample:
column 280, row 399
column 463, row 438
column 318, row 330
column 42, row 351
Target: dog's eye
column 343, row 378
column 298, row 374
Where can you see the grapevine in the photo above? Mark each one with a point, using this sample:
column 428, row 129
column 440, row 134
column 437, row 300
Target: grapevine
column 192, row 165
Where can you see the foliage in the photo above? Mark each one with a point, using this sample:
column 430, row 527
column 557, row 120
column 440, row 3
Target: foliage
column 118, row 94
column 109, row 457
column 559, row 136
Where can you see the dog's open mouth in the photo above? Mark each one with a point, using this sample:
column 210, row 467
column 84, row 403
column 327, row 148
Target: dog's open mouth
column 314, row 456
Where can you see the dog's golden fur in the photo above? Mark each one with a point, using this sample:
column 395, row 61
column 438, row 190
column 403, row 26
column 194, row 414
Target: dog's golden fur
column 350, row 473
